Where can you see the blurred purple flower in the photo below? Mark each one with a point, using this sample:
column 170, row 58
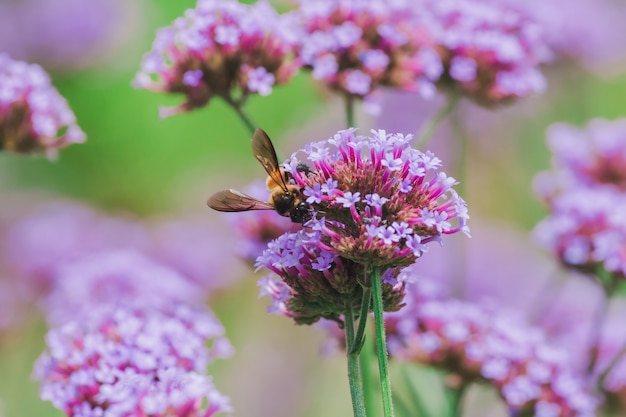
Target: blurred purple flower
column 129, row 361
column 34, row 117
column 381, row 201
column 588, row 31
column 491, row 51
column 357, row 46
column 38, row 242
column 593, row 156
column 480, row 342
column 64, row 34
column 115, row 278
column 217, row 48
column 314, row 283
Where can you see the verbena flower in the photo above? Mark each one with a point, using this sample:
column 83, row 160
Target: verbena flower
column 67, row 34
column 490, row 50
column 586, row 228
column 377, row 201
column 594, row 156
column 34, row 117
column 115, row 278
column 312, row 283
column 356, row 46
column 221, row 48
column 255, row 229
column 128, row 362
column 481, row 343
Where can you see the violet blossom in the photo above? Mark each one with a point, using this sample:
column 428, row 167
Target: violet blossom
column 129, row 361
column 377, row 201
column 34, row 117
column 220, row 48
column 356, row 46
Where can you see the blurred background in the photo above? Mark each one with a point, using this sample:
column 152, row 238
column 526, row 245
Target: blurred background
column 137, row 165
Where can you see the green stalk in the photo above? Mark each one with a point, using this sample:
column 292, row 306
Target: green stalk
column 349, row 111
column 454, row 396
column 381, row 343
column 238, row 107
column 428, row 129
column 370, row 385
column 365, row 309
column 354, row 369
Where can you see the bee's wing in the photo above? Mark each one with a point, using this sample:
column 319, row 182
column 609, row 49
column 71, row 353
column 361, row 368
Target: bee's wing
column 232, row 200
column 265, row 153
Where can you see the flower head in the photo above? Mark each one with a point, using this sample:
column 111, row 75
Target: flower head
column 127, row 362
column 221, row 48
column 481, row 343
column 115, row 278
column 314, row 283
column 381, row 201
column 357, row 46
column 490, row 50
column 34, row 117
column 593, row 156
column 586, row 228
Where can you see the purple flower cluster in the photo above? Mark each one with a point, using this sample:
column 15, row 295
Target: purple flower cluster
column 355, row 46
column 36, row 245
column 481, row 343
column 127, row 362
column 490, row 50
column 221, row 48
column 585, row 193
column 115, row 278
column 315, row 283
column 34, row 117
column 377, row 201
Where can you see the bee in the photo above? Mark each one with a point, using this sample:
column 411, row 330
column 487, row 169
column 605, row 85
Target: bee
column 285, row 198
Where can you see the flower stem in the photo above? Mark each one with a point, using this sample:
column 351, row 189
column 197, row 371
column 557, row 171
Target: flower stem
column 604, row 375
column 237, row 105
column 370, row 385
column 349, row 111
column 454, row 396
column 365, row 308
column 354, row 369
column 381, row 344
column 428, row 129
column 607, row 283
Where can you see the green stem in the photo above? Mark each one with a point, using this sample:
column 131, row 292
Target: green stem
column 416, row 399
column 349, row 111
column 370, row 385
column 454, row 396
column 354, row 369
column 365, row 309
column 381, row 344
column 238, row 107
column 428, row 129
column 607, row 282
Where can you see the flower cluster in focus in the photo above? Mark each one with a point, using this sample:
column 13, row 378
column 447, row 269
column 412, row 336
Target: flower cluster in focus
column 377, row 200
column 34, row 117
column 478, row 342
column 221, row 48
column 355, row 46
column 490, row 50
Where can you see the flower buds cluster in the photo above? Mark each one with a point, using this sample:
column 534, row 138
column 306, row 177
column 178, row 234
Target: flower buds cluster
column 490, row 51
column 221, row 48
column 481, row 343
column 127, row 362
column 585, row 193
column 34, row 117
column 377, row 200
column 355, row 46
